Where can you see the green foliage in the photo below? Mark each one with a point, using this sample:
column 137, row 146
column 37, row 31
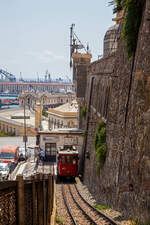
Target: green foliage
column 84, row 133
column 59, row 220
column 3, row 134
column 132, row 23
column 133, row 15
column 100, row 144
column 44, row 113
column 117, row 5
column 83, row 111
column 101, row 207
column 134, row 222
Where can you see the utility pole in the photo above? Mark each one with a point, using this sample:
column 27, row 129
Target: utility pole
column 25, row 137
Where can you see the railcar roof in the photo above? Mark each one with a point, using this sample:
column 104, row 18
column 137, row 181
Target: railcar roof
column 68, row 152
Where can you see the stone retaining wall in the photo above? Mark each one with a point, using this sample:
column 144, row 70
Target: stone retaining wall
column 124, row 181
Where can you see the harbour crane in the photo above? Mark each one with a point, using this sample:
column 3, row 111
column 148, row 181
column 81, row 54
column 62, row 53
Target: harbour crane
column 8, row 76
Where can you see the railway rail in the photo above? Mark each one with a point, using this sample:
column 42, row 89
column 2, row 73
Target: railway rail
column 80, row 211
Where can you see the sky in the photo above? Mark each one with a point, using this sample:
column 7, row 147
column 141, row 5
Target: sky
column 35, row 34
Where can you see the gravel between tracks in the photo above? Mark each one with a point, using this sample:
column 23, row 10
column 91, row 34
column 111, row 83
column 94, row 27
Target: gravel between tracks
column 61, row 209
column 62, row 212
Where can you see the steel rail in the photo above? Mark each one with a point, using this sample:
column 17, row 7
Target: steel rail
column 98, row 212
column 87, row 216
column 66, row 204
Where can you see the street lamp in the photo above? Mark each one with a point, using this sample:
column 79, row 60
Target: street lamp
column 25, row 137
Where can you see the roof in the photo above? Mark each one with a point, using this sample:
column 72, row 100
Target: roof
column 62, row 131
column 9, row 148
column 37, row 84
column 70, row 107
column 3, row 164
column 68, row 152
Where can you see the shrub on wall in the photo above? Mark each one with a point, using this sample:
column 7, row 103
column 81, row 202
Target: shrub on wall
column 83, row 111
column 133, row 16
column 44, row 113
column 3, row 134
column 132, row 23
column 100, row 144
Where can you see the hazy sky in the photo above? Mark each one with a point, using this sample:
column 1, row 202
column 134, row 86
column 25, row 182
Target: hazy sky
column 34, row 34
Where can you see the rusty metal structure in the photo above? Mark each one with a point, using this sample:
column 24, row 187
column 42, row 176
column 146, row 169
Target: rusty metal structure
column 27, row 202
column 75, row 44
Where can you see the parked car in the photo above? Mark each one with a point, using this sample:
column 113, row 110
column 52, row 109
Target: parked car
column 4, row 171
column 22, row 155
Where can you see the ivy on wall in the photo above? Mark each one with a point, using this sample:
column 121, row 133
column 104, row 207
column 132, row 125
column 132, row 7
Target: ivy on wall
column 83, row 111
column 131, row 25
column 100, row 144
column 133, row 16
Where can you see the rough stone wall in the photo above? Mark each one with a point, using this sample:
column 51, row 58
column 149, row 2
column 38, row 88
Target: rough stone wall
column 124, row 181
column 97, row 97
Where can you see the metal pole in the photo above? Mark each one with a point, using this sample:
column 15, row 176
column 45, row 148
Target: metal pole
column 25, row 138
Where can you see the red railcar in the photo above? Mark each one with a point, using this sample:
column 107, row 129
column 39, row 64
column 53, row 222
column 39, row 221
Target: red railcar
column 67, row 162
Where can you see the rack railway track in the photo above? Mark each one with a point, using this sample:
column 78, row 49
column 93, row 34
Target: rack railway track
column 80, row 211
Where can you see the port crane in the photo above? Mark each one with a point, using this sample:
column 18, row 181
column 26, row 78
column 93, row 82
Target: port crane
column 8, row 76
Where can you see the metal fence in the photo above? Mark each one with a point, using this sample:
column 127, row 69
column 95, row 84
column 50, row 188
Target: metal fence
column 27, row 202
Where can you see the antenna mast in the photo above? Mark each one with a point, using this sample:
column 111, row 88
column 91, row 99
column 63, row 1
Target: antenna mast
column 75, row 43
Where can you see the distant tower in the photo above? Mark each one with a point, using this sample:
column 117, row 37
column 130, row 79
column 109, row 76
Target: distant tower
column 38, row 77
column 46, row 78
column 49, row 77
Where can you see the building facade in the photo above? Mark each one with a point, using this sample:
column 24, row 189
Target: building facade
column 47, row 100
column 18, row 87
column 64, row 116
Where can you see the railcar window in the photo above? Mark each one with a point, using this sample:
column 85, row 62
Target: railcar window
column 63, row 159
column 69, row 159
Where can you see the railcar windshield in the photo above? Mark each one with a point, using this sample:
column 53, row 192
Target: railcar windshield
column 67, row 159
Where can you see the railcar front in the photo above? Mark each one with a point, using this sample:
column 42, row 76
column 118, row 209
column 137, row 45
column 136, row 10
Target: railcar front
column 67, row 163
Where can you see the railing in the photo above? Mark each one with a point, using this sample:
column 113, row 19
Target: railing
column 27, row 202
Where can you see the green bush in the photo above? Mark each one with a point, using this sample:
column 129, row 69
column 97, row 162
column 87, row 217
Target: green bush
column 83, row 111
column 101, row 207
column 3, row 134
column 117, row 5
column 133, row 16
column 100, row 144
column 132, row 23
column 59, row 220
column 44, row 113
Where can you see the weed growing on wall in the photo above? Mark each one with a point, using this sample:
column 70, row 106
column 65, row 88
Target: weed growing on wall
column 117, row 5
column 100, row 144
column 83, row 111
column 133, row 16
column 132, row 23
column 44, row 113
